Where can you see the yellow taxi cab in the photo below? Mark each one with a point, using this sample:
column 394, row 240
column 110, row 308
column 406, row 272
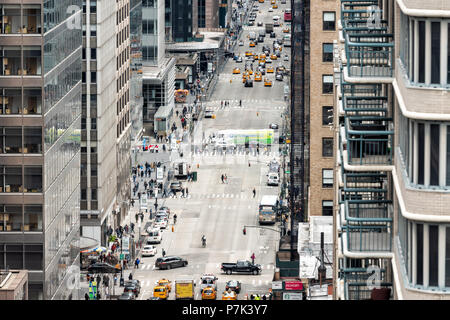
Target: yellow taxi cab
column 236, row 71
column 273, row 2
column 267, row 82
column 250, row 72
column 248, row 53
column 258, row 76
column 209, row 293
column 229, row 295
column 275, row 6
column 252, row 44
column 255, row 57
column 270, row 70
column 261, row 1
column 274, row 57
column 286, row 30
column 161, row 292
column 165, row 283
column 262, row 56
column 244, row 77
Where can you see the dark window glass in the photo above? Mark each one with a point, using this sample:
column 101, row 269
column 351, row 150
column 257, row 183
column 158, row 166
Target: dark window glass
column 33, row 257
column 435, row 52
column 329, row 21
column 448, row 53
column 447, row 180
column 327, row 84
column 327, row 147
column 2, row 255
column 434, row 154
column 327, row 52
column 433, row 257
column 419, row 254
column 447, row 256
column 327, row 207
column 421, row 51
column 421, row 152
column 14, row 256
column 413, row 40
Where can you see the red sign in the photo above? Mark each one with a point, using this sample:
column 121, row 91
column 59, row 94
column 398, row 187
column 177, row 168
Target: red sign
column 293, row 285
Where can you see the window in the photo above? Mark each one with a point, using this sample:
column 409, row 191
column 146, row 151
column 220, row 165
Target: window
column 422, row 46
column 93, row 7
column 419, row 253
column 447, row 257
column 433, row 257
column 327, row 178
column 327, row 207
column 329, row 21
column 93, row 53
column 448, row 53
column 32, row 218
column 94, row 194
column 421, row 151
column 83, row 194
column 148, row 26
column 33, row 256
column 93, row 77
column 327, row 147
column 10, row 218
column 327, row 84
column 447, row 180
column 93, row 30
column 93, row 124
column 327, row 52
column 434, row 154
column 435, row 52
column 327, row 116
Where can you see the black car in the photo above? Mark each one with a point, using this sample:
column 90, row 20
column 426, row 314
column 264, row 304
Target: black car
column 248, row 83
column 102, row 267
column 135, row 282
column 260, row 24
column 132, row 287
column 170, row 262
column 127, row 296
column 251, row 23
column 260, row 39
column 273, row 35
column 233, row 285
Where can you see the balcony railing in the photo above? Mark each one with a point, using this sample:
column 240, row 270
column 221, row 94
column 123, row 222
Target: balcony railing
column 368, row 225
column 358, row 283
column 364, row 186
column 365, row 106
column 357, row 90
column 369, row 142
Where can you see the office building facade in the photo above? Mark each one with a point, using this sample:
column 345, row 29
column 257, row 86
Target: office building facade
column 392, row 160
column 40, row 120
column 106, row 125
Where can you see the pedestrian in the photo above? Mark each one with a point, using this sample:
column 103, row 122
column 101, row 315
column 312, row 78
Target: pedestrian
column 136, row 217
column 252, row 297
column 136, row 263
column 223, row 177
column 163, row 253
column 254, row 192
column 253, row 258
column 132, row 226
column 240, row 103
column 187, row 192
column 130, row 277
column 132, row 202
column 86, row 296
column 115, row 279
column 142, row 217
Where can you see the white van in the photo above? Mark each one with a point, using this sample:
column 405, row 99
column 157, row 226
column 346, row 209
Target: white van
column 154, row 235
column 273, row 179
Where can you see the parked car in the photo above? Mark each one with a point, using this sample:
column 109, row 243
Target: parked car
column 127, row 296
column 273, row 126
column 260, row 24
column 239, row 59
column 160, row 223
column 251, row 23
column 149, row 251
column 273, row 35
column 132, row 287
column 249, row 83
column 170, row 262
column 286, row 57
column 279, row 76
column 233, row 285
column 241, row 43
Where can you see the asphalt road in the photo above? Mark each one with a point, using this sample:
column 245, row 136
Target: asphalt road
column 217, row 210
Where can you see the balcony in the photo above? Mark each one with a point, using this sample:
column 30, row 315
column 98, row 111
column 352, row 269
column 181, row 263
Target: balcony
column 368, row 225
column 358, row 282
column 368, row 140
column 369, row 49
column 364, row 186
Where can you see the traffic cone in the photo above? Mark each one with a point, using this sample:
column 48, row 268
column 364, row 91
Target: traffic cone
column 173, row 228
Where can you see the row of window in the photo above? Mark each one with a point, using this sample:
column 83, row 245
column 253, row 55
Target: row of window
column 21, row 218
column 423, row 145
column 20, row 140
column 21, row 256
column 15, row 19
column 22, row 61
column 20, row 101
column 20, row 179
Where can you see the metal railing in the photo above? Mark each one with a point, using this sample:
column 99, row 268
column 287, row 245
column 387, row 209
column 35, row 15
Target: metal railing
column 369, row 141
column 365, row 106
column 357, row 282
column 364, row 186
column 368, row 225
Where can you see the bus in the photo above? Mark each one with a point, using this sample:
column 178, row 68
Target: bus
column 267, row 209
column 287, row 15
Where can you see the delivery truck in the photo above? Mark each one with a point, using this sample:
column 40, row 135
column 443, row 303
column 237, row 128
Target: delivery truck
column 184, row 289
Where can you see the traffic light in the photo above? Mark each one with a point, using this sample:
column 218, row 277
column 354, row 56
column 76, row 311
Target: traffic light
column 244, row 231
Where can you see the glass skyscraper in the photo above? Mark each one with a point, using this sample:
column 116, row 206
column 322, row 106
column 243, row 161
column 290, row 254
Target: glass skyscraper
column 40, row 109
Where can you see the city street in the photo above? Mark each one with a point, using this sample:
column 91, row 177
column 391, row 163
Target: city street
column 220, row 210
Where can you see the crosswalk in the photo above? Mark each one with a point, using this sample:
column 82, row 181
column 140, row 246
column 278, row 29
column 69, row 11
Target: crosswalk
column 274, row 104
column 201, row 196
column 254, row 282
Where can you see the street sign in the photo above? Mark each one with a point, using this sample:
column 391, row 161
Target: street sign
column 121, row 256
column 292, row 296
column 293, row 285
column 277, row 285
column 288, row 141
